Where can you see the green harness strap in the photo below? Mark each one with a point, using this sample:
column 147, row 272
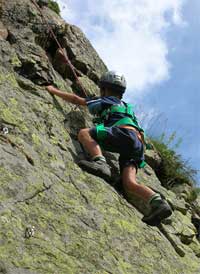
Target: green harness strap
column 127, row 110
column 101, row 131
column 129, row 120
column 125, row 121
column 121, row 109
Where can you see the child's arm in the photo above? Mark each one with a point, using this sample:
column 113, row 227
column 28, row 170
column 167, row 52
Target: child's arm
column 69, row 97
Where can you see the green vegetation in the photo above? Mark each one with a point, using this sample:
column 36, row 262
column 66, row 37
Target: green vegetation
column 173, row 169
column 53, row 5
column 193, row 195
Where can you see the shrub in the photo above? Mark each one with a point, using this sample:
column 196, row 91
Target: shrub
column 193, row 195
column 173, row 169
column 53, row 5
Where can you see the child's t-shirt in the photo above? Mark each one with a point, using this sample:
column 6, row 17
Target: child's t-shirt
column 97, row 105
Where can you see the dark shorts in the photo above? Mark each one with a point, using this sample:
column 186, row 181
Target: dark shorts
column 123, row 141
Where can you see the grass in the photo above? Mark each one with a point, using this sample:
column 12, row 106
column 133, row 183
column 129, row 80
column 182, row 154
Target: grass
column 173, row 169
column 53, row 5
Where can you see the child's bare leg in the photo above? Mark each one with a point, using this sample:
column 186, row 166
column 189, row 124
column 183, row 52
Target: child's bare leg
column 130, row 184
column 98, row 165
column 89, row 143
column 159, row 208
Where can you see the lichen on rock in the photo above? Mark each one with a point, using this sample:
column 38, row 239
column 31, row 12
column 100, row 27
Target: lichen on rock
column 81, row 223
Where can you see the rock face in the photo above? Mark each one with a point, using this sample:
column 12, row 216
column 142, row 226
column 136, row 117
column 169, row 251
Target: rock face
column 3, row 31
column 55, row 218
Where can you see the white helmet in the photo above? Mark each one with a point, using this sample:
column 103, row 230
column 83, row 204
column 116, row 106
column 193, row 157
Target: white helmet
column 113, row 79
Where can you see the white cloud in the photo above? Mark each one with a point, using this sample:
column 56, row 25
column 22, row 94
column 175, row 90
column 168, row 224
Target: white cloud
column 129, row 35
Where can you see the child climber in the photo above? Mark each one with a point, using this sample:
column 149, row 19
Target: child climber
column 118, row 131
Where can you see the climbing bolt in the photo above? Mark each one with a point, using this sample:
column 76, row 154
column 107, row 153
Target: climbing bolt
column 29, row 232
column 5, row 130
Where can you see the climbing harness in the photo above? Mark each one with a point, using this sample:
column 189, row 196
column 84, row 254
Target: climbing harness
column 127, row 109
column 129, row 119
column 50, row 30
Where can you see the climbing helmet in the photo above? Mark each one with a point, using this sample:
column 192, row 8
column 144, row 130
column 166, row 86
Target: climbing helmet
column 113, row 79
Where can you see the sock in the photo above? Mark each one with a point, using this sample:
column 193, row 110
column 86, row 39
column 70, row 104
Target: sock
column 155, row 200
column 99, row 157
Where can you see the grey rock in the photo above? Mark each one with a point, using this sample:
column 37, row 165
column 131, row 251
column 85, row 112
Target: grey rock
column 83, row 224
column 43, row 3
column 82, row 53
column 3, row 31
column 153, row 159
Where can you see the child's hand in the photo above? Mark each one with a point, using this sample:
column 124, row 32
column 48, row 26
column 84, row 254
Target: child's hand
column 50, row 88
column 63, row 55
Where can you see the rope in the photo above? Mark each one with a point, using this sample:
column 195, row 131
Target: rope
column 59, row 46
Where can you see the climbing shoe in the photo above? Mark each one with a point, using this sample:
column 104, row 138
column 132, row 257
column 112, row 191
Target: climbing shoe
column 96, row 167
column 158, row 213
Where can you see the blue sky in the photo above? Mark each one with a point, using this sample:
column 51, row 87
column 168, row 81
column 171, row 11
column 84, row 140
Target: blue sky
column 155, row 44
column 180, row 97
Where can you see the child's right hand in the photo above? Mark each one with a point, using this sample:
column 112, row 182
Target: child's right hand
column 50, row 88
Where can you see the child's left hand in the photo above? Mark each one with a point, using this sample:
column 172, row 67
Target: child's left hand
column 63, row 55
